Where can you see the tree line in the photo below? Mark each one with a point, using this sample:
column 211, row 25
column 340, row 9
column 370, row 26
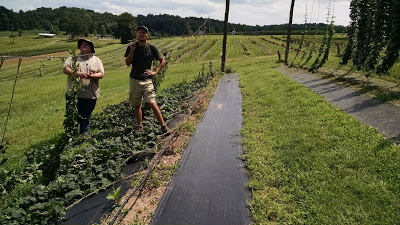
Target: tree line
column 81, row 22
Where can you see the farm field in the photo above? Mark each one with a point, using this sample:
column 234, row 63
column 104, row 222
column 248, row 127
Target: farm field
column 336, row 170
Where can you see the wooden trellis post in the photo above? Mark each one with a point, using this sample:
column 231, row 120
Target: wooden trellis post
column 225, row 36
column 289, row 32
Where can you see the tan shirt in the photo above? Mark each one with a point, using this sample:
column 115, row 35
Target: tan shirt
column 90, row 87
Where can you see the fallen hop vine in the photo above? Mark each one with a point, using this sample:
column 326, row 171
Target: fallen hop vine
column 160, row 76
column 71, row 112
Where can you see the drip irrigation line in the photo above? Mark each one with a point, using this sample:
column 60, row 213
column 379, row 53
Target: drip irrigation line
column 101, row 188
column 150, row 169
column 143, row 180
column 12, row 98
column 125, row 178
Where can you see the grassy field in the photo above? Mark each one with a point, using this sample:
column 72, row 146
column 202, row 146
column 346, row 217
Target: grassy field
column 309, row 162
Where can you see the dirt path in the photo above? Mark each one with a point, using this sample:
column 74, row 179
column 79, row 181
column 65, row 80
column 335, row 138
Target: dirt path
column 382, row 116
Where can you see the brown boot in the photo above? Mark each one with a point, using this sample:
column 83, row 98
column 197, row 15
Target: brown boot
column 164, row 129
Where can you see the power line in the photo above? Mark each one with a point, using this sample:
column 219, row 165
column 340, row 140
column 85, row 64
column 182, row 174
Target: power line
column 37, row 57
column 201, row 26
column 202, row 8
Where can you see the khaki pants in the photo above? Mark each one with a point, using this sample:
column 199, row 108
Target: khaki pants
column 141, row 90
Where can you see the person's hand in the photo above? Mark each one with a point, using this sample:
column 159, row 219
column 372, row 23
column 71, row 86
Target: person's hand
column 150, row 73
column 90, row 75
column 82, row 75
column 132, row 46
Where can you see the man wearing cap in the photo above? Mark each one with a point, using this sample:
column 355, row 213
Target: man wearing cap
column 90, row 71
column 141, row 55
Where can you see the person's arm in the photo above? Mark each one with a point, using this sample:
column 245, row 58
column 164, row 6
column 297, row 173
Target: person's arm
column 68, row 71
column 97, row 75
column 129, row 58
column 159, row 67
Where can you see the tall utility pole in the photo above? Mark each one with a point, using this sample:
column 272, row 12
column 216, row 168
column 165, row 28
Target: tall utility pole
column 289, row 32
column 225, row 36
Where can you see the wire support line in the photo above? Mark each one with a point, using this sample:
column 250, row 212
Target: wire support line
column 12, row 98
column 201, row 26
column 312, row 11
column 143, row 180
column 202, row 8
column 174, row 135
column 37, row 57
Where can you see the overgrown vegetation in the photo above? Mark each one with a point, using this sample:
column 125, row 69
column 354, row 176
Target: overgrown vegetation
column 57, row 174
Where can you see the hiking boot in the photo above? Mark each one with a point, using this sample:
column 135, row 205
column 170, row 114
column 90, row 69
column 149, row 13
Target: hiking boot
column 139, row 128
column 86, row 134
column 164, row 129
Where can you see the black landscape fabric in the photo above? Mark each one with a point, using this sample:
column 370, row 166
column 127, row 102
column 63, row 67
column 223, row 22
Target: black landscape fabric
column 210, row 185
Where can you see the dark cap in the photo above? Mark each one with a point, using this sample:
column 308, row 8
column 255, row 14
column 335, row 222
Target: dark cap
column 80, row 41
column 143, row 28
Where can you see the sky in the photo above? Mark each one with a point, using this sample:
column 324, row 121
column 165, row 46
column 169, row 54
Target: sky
column 249, row 12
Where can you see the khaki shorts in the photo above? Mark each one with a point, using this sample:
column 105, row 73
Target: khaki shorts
column 141, row 90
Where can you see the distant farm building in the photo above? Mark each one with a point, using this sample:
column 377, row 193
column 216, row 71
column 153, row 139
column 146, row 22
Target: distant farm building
column 46, row 35
column 199, row 33
column 105, row 36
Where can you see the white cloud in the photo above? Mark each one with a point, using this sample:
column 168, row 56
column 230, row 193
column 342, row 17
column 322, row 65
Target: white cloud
column 251, row 12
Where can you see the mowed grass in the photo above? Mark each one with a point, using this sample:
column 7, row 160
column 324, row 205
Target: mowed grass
column 309, row 162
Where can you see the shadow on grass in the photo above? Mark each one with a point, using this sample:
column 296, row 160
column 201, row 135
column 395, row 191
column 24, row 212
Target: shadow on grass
column 366, row 87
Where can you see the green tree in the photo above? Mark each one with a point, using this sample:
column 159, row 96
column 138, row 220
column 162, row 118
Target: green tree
column 103, row 30
column 188, row 31
column 5, row 21
column 89, row 24
column 55, row 30
column 76, row 27
column 126, row 27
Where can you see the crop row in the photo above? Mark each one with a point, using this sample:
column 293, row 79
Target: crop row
column 59, row 173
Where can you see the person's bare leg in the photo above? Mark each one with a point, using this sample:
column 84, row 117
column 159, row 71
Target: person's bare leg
column 138, row 115
column 157, row 113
